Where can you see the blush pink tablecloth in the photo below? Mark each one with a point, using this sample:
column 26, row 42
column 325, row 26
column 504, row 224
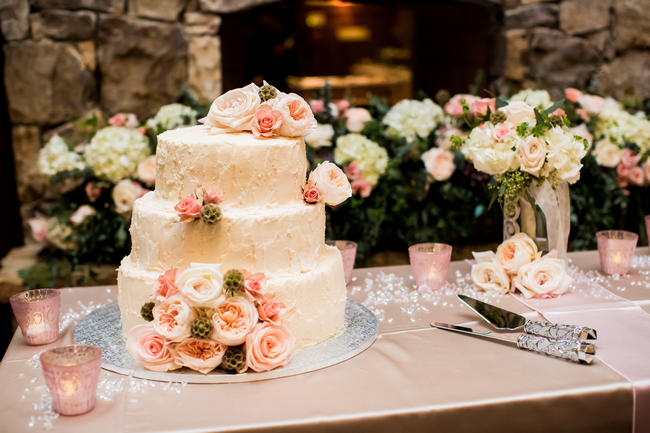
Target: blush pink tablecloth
column 414, row 378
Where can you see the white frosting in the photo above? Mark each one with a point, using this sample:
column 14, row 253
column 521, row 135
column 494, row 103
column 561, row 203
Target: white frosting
column 266, row 227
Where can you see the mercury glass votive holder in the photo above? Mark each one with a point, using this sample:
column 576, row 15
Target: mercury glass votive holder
column 430, row 262
column 71, row 374
column 348, row 251
column 616, row 249
column 37, row 313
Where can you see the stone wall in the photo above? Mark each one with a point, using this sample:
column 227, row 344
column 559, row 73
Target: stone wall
column 597, row 45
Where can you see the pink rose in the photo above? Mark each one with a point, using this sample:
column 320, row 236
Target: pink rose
column 361, row 186
column 622, row 170
column 165, row 286
column 200, row 355
column 127, row 120
column 271, row 311
column 93, row 192
column 572, row 94
column 82, row 212
column 439, row 163
column 39, row 227
column 454, row 107
column 255, row 285
column 188, row 208
column 316, row 105
column 150, row 348
column 629, row 158
column 173, row 318
column 480, row 106
column 353, row 171
column 211, row 196
column 500, row 131
column 233, row 320
column 311, row 195
column 636, row 176
column 582, row 113
column 267, row 121
column 342, row 105
column 356, row 119
column 558, row 112
column 269, row 346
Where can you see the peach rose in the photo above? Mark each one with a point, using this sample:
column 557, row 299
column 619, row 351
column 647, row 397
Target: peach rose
column 332, row 184
column 558, row 112
column 356, row 119
column 297, row 118
column 518, row 112
column 147, row 170
column 490, row 276
column 255, row 285
column 267, row 121
column 532, row 154
column 629, row 158
column 515, row 252
column 544, row 278
column 82, row 212
column 270, row 310
column 480, row 106
column 189, row 208
column 150, row 348
column 125, row 193
column 199, row 355
column 269, row 346
column 572, row 94
column 211, row 196
column 39, row 227
column 165, row 286
column 235, row 109
column 233, row 320
column 311, row 195
column 93, row 192
column 636, row 176
column 173, row 318
column 361, row 186
column 201, row 284
column 439, row 163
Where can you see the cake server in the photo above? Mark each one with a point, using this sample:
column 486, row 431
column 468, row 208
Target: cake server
column 504, row 319
column 573, row 350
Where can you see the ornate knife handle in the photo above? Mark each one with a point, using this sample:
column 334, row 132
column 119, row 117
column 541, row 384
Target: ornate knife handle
column 556, row 331
column 573, row 350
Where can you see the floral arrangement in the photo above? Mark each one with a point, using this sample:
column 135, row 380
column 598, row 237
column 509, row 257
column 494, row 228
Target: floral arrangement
column 203, row 205
column 202, row 319
column 518, row 266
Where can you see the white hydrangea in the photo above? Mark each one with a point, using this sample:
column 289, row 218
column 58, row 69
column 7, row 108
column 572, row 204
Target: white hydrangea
column 371, row 157
column 535, row 98
column 489, row 155
column 172, row 116
column 410, row 118
column 56, row 157
column 115, row 152
column 621, row 127
column 565, row 153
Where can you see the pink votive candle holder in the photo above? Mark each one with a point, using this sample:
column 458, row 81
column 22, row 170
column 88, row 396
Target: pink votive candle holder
column 71, row 374
column 37, row 313
column 616, row 249
column 430, row 262
column 348, row 251
column 647, row 228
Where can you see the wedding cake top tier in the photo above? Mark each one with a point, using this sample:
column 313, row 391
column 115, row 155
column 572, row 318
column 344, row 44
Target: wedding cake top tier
column 246, row 170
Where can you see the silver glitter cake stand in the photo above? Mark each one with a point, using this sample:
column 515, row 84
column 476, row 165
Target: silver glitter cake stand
column 103, row 328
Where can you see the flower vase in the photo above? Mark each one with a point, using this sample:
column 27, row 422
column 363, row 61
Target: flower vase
column 546, row 220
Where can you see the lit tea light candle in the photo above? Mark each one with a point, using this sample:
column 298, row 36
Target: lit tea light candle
column 71, row 374
column 37, row 313
column 616, row 249
column 430, row 262
column 348, row 251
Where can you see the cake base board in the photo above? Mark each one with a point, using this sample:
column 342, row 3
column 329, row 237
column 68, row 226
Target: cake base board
column 103, row 328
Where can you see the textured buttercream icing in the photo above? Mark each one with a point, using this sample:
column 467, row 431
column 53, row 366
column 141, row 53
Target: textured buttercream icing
column 266, row 227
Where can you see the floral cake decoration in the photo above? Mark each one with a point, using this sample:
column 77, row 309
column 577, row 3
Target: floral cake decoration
column 202, row 204
column 327, row 183
column 204, row 319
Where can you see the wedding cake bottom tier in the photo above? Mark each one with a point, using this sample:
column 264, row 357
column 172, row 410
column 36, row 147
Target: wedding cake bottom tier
column 315, row 299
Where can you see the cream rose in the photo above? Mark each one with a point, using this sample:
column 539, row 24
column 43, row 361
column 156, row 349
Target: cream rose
column 321, row 136
column 233, row 319
column 332, row 184
column 125, row 194
column 198, row 354
column 545, row 277
column 518, row 112
column 439, row 163
column 235, row 109
column 147, row 170
column 82, row 212
column 150, row 348
column 297, row 118
column 173, row 318
column 515, row 252
column 269, row 346
column 490, row 277
column 356, row 119
column 201, row 284
column 532, row 154
column 607, row 153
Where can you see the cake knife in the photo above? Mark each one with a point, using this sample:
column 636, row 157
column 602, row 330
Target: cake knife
column 572, row 350
column 507, row 320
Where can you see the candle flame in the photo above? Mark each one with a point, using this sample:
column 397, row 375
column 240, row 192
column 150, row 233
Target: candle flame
column 618, row 258
column 37, row 318
column 69, row 387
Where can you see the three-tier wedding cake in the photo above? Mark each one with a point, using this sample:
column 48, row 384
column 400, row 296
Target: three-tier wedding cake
column 229, row 265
